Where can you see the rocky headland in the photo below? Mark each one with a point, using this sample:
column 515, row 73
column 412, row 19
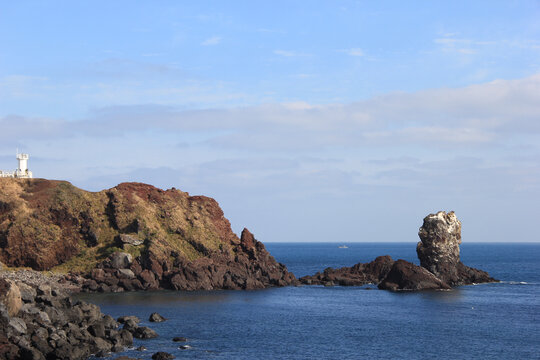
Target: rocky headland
column 438, row 251
column 131, row 237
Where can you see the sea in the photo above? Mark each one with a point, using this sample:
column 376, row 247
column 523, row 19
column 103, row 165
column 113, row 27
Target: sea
column 486, row 321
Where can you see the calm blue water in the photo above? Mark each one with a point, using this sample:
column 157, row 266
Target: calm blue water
column 490, row 321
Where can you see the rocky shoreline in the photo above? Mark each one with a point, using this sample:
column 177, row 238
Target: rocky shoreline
column 42, row 321
column 252, row 268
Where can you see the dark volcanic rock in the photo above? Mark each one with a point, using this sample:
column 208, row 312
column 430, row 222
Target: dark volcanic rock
column 123, row 319
column 144, row 332
column 50, row 325
column 161, row 355
column 357, row 275
column 438, row 250
column 407, row 276
column 155, row 317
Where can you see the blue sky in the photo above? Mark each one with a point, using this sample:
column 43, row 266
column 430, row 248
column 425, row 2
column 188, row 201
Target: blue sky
column 307, row 120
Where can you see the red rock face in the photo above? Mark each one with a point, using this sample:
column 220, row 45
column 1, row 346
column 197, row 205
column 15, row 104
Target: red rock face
column 176, row 241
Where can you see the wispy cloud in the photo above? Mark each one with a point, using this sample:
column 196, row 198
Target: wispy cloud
column 355, row 52
column 214, row 40
column 451, row 43
column 477, row 115
column 289, row 53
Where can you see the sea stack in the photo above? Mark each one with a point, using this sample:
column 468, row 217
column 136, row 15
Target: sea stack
column 438, row 250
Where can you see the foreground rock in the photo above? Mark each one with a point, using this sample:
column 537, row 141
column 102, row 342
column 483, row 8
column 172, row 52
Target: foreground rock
column 161, row 355
column 131, row 237
column 438, row 252
column 155, row 317
column 406, row 276
column 43, row 322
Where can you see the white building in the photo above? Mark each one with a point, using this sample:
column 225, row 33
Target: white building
column 22, row 171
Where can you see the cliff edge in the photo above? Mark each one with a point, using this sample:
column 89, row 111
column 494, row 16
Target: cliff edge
column 133, row 236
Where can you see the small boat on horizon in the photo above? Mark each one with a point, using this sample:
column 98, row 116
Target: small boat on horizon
column 343, row 247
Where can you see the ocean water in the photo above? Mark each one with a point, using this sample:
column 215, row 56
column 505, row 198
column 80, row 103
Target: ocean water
column 488, row 321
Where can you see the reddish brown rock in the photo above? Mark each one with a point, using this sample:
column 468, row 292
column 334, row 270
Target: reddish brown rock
column 169, row 238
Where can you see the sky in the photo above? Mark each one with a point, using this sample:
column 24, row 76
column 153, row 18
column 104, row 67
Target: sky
column 337, row 121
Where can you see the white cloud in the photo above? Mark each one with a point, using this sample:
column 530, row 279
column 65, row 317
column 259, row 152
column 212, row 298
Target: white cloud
column 450, row 43
column 355, row 52
column 477, row 115
column 289, row 53
column 214, row 40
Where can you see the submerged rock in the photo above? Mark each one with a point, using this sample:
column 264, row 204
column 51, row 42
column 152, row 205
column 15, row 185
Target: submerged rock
column 161, row 355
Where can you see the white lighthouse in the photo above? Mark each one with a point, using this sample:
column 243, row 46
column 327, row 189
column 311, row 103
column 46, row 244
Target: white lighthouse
column 22, row 171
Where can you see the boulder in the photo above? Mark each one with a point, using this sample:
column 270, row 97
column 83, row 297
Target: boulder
column 119, row 260
column 406, row 276
column 10, row 297
column 123, row 319
column 144, row 332
column 161, row 355
column 28, row 293
column 155, row 317
column 130, row 240
column 125, row 274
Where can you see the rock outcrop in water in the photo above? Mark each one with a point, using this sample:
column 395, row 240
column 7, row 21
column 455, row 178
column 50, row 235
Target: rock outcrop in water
column 131, row 237
column 438, row 252
column 406, row 276
column 357, row 275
